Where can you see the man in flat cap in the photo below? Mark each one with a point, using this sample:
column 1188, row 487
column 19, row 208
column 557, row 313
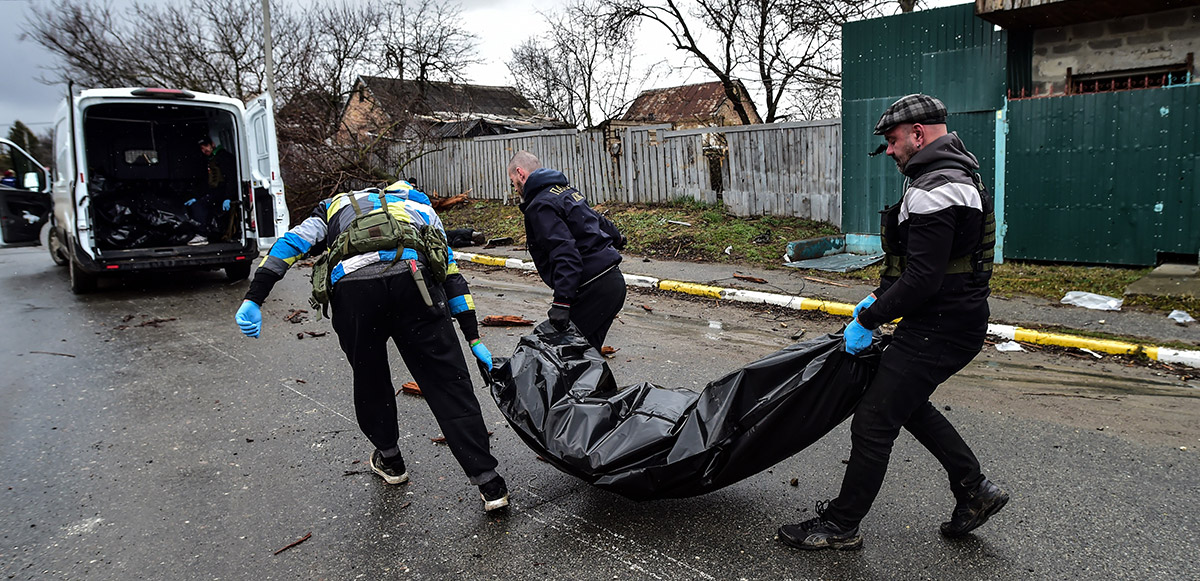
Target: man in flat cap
column 938, row 243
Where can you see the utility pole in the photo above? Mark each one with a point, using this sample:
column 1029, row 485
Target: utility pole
column 267, row 49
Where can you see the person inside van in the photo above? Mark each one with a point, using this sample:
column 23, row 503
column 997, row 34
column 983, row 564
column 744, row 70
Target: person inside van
column 211, row 208
column 9, row 179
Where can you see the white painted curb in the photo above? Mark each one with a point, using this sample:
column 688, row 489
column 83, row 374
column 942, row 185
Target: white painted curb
column 1008, row 332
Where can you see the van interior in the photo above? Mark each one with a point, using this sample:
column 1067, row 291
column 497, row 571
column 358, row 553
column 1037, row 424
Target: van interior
column 149, row 179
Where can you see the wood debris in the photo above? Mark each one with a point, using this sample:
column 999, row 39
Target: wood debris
column 608, row 351
column 749, row 278
column 156, row 323
column 648, row 308
column 302, row 539
column 410, row 388
column 295, row 316
column 440, row 204
column 53, row 353
column 828, row 282
column 505, row 321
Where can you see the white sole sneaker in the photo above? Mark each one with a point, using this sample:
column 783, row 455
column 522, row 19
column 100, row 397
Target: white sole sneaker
column 388, row 478
column 490, row 505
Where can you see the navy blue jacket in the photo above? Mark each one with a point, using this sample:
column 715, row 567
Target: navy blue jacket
column 569, row 241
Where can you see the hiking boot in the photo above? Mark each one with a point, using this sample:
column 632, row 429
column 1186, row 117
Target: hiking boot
column 392, row 471
column 976, row 509
column 818, row 533
column 494, row 494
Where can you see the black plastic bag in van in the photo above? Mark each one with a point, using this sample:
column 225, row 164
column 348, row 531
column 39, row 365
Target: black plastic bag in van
column 646, row 442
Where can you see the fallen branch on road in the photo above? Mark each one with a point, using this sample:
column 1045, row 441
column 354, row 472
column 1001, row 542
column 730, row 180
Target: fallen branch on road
column 302, row 539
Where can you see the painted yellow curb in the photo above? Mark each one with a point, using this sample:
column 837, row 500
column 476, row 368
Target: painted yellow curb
column 489, row 260
column 691, row 288
column 826, row 307
column 1099, row 345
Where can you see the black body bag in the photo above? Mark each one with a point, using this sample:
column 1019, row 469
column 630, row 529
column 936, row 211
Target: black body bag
column 646, row 442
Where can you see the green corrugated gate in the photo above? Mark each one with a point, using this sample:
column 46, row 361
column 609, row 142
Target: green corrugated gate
column 1104, row 178
column 948, row 53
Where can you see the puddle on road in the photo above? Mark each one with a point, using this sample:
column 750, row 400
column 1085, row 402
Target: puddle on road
column 679, row 325
column 1062, row 377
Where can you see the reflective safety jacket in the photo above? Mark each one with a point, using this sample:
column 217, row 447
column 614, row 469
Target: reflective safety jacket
column 333, row 215
column 939, row 242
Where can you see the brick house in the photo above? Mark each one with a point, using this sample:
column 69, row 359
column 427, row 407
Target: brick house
column 689, row 107
column 400, row 109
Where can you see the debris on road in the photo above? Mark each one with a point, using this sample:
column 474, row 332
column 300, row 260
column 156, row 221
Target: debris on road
column 502, row 241
column 1092, row 353
column 505, row 321
column 608, row 351
column 1181, row 317
column 52, row 353
column 156, row 323
column 679, row 223
column 749, row 278
column 648, row 308
column 296, row 316
column 823, row 281
column 1009, row 347
column 438, row 439
column 302, row 539
column 410, row 388
column 1092, row 301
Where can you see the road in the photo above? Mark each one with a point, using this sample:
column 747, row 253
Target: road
column 143, row 437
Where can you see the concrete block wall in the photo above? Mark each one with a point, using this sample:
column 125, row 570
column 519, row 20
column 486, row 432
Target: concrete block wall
column 1134, row 42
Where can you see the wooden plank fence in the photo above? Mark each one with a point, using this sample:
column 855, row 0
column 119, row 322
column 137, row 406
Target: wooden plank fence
column 783, row 169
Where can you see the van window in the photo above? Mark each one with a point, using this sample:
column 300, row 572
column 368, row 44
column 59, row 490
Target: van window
column 62, row 151
column 141, row 157
column 260, row 146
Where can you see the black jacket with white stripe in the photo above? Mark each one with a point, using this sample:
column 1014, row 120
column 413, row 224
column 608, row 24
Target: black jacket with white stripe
column 939, row 218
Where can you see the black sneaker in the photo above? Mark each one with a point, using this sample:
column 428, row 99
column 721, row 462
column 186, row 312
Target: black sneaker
column 494, row 493
column 392, row 471
column 818, row 533
column 976, row 509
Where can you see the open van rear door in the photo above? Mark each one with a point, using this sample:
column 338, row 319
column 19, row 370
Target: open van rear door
column 25, row 200
column 270, row 209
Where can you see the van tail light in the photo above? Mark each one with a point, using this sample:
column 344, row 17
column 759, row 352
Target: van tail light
column 239, row 258
column 163, row 93
column 113, row 266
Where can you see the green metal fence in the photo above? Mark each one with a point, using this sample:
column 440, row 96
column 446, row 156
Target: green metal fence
column 1104, row 178
column 947, row 53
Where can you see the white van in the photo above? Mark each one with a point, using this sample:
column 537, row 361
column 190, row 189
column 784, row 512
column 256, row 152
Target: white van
column 135, row 188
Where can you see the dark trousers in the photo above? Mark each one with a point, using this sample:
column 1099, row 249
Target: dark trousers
column 597, row 304
column 366, row 314
column 910, row 370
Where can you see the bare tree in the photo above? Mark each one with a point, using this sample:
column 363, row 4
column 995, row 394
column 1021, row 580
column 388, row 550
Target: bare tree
column 215, row 46
column 789, row 50
column 582, row 77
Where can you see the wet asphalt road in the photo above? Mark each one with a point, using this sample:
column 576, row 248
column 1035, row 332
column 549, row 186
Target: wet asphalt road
column 178, row 449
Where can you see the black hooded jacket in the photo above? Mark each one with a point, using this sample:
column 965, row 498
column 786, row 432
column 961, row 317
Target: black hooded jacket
column 940, row 217
column 569, row 241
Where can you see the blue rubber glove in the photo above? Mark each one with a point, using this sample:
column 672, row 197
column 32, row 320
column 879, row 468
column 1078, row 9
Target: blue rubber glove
column 249, row 318
column 863, row 304
column 225, row 206
column 190, row 202
column 857, row 338
column 481, row 353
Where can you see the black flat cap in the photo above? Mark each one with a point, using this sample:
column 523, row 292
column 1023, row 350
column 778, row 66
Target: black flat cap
column 915, row 108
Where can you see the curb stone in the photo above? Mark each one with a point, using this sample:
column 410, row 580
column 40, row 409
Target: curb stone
column 1009, row 332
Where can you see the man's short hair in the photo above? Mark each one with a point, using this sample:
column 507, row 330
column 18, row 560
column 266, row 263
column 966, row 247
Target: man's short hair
column 524, row 160
column 915, row 108
column 205, row 140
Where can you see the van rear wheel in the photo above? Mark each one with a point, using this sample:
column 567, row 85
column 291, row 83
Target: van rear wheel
column 81, row 282
column 57, row 253
column 238, row 271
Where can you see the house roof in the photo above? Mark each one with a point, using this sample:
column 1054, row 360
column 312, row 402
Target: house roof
column 1034, row 14
column 686, row 103
column 435, row 97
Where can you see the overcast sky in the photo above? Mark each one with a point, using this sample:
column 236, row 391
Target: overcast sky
column 499, row 24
